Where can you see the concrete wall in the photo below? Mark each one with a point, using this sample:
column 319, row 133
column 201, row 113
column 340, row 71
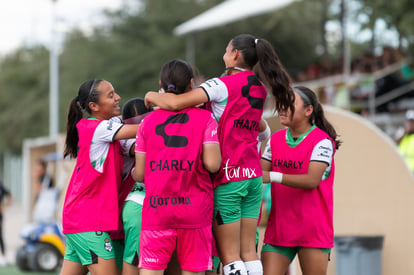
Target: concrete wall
column 373, row 190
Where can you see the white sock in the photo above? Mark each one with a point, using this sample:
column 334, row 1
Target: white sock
column 235, row 268
column 254, row 267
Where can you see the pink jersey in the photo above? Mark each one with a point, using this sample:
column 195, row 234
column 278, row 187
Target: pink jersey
column 299, row 217
column 178, row 189
column 238, row 128
column 91, row 202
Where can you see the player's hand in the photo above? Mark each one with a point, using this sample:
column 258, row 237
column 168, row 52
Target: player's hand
column 149, row 98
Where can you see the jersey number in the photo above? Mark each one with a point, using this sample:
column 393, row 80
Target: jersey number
column 255, row 102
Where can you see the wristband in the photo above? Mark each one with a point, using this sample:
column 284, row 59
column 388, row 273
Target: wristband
column 275, row 177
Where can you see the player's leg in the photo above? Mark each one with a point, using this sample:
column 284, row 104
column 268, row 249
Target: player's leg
column 276, row 259
column 313, row 261
column 226, row 226
column 250, row 211
column 131, row 218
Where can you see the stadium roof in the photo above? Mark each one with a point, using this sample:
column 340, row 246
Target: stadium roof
column 227, row 12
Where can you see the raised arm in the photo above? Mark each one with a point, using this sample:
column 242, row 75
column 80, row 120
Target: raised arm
column 173, row 102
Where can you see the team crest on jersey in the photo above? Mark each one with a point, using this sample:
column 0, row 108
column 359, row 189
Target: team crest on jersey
column 108, row 245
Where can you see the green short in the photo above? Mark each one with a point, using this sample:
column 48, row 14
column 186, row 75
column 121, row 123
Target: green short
column 288, row 251
column 131, row 217
column 237, row 199
column 119, row 246
column 86, row 247
column 216, row 265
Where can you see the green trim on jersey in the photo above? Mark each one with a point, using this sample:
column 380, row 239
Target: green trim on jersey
column 93, row 163
column 101, row 161
column 327, row 173
column 293, row 143
column 223, row 102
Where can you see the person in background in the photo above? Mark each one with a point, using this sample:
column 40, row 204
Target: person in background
column 298, row 161
column 43, row 180
column 406, row 142
column 5, row 201
column 237, row 100
column 91, row 207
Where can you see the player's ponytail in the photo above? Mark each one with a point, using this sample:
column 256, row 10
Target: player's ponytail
column 259, row 55
column 87, row 93
column 272, row 72
column 176, row 76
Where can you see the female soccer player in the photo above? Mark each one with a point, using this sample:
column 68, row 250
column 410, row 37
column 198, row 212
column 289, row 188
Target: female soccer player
column 299, row 163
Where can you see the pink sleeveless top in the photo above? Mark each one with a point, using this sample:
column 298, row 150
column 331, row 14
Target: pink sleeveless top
column 178, row 189
column 238, row 128
column 91, row 202
column 299, row 217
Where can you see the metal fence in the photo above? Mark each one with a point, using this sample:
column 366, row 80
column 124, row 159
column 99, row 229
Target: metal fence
column 11, row 174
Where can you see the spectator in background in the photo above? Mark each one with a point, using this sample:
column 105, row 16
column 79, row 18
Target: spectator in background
column 5, row 201
column 407, row 71
column 406, row 143
column 43, row 180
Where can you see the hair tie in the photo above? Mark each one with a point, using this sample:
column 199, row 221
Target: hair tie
column 170, row 87
column 256, row 40
column 305, row 98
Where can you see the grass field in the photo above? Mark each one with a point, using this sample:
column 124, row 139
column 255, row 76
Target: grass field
column 11, row 269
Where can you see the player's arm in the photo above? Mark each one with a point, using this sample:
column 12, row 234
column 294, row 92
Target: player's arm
column 211, row 147
column 310, row 180
column 211, row 157
column 266, row 167
column 321, row 158
column 266, row 162
column 264, row 131
column 139, row 169
column 126, row 131
column 173, row 102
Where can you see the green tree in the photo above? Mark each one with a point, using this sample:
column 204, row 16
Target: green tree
column 24, row 97
column 397, row 14
column 131, row 46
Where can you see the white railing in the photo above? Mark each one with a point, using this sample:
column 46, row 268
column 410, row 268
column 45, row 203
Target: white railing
column 341, row 82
